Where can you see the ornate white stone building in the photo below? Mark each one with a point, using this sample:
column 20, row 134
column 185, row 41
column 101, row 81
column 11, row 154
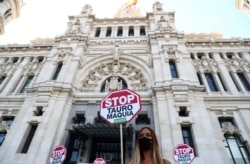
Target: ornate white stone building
column 243, row 5
column 9, row 10
column 194, row 90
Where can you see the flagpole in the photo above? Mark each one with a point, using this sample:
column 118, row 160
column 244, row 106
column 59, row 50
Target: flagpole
column 121, row 138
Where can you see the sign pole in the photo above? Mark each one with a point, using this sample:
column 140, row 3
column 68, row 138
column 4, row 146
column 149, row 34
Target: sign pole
column 121, row 138
column 111, row 105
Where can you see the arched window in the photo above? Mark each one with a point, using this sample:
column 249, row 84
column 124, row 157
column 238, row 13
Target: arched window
column 113, row 83
column 7, row 14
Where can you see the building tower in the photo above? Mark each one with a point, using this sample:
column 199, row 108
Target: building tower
column 9, row 10
column 243, row 5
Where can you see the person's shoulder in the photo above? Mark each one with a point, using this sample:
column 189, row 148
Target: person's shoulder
column 166, row 161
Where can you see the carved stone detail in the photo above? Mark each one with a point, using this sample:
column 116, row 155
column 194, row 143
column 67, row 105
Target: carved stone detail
column 63, row 53
column 74, row 28
column 139, row 82
column 230, row 129
column 8, row 68
column 205, row 64
column 113, row 84
column 164, row 25
column 33, row 67
column 237, row 64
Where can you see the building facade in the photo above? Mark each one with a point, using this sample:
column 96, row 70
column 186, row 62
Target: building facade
column 9, row 10
column 243, row 6
column 193, row 90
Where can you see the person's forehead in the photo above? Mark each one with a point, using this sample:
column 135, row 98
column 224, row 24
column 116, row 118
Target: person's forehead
column 145, row 131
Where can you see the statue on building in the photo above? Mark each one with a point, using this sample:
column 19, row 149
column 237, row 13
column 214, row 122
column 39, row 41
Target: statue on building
column 157, row 6
column 87, row 9
column 163, row 25
column 74, row 28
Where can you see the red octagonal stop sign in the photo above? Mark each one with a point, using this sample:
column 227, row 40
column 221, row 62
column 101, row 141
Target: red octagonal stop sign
column 120, row 106
column 183, row 154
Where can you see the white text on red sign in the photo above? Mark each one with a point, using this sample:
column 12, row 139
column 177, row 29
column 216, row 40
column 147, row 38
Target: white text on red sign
column 117, row 101
column 183, row 151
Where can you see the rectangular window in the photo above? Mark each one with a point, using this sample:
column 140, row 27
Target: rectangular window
column 142, row 31
column 2, row 137
column 119, row 32
column 236, row 149
column 30, row 136
column 73, row 148
column 98, row 32
column 211, row 82
column 142, row 119
column 108, row 32
column 183, row 112
column 8, row 120
column 27, row 84
column 187, row 137
column 2, row 79
column 223, row 121
column 79, row 119
column 7, row 14
column 58, row 69
column 173, row 69
column 244, row 81
column 199, row 78
column 131, row 31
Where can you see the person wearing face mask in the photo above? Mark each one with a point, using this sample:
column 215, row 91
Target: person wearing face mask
column 147, row 148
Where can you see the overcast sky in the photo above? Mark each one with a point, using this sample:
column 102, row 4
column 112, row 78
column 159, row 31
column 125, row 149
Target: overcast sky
column 48, row 18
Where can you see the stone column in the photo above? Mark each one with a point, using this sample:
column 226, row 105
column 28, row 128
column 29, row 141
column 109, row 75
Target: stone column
column 218, row 82
column 103, row 32
column 224, row 73
column 162, row 112
column 114, row 32
column 237, row 81
column 15, row 80
column 125, row 31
